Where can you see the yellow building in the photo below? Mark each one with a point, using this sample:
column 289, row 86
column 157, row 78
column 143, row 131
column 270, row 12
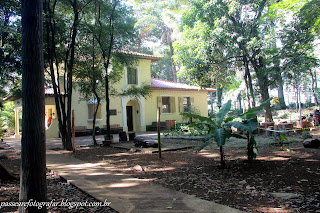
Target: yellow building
column 128, row 113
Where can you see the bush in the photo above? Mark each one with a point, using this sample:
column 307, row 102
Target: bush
column 292, row 106
column 284, row 116
column 7, row 119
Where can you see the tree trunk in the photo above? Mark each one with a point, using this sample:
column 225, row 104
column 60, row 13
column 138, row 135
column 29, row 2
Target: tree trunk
column 297, row 100
column 106, row 60
column 33, row 148
column 108, row 134
column 280, row 93
column 173, row 67
column 248, row 80
column 222, row 162
column 263, row 83
column 250, row 148
column 69, row 61
column 94, row 122
column 94, row 83
column 247, row 89
column 60, row 99
column 219, row 96
column 239, row 100
column 314, row 87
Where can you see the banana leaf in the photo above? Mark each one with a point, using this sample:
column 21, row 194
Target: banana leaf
column 199, row 117
column 220, row 136
column 246, row 125
column 223, row 111
column 251, row 113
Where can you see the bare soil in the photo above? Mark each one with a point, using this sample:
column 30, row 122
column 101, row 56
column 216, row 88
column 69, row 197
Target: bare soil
column 242, row 185
column 58, row 189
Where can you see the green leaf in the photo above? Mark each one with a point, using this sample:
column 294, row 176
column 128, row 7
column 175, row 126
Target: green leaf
column 199, row 117
column 253, row 110
column 208, row 137
column 223, row 111
column 220, row 136
column 228, row 119
column 238, row 136
column 284, row 138
column 246, row 125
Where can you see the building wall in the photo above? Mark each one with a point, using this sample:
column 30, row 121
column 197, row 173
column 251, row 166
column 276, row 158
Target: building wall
column 200, row 103
column 145, row 111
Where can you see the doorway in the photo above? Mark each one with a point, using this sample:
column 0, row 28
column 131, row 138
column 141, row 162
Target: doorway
column 129, row 118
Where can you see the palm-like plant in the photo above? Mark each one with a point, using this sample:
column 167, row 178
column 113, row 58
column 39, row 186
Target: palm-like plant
column 219, row 128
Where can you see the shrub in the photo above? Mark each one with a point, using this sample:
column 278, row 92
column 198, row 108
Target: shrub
column 7, row 119
column 284, row 116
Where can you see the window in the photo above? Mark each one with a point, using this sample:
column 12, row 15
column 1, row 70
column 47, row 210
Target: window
column 186, row 104
column 166, row 106
column 132, row 75
column 91, row 110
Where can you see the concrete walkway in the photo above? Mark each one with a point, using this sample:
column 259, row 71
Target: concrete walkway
column 126, row 194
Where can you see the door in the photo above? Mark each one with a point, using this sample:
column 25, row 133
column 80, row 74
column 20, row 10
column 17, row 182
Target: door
column 129, row 118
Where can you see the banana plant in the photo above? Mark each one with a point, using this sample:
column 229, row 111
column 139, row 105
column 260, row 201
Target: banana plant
column 219, row 129
column 249, row 124
column 216, row 128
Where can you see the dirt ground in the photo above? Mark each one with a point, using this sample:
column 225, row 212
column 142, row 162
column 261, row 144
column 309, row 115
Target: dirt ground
column 241, row 185
column 248, row 187
column 58, row 189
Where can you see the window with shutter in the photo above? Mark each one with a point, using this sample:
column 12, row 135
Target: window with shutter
column 91, row 109
column 186, row 102
column 166, row 105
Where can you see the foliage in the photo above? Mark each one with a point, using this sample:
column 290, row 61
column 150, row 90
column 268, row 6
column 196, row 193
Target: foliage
column 202, row 62
column 219, row 128
column 7, row 118
column 10, row 47
column 186, row 130
column 157, row 22
column 136, row 92
column 284, row 116
column 190, row 109
column 222, row 37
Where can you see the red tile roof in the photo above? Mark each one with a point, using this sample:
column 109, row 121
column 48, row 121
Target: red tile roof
column 47, row 91
column 170, row 85
column 141, row 55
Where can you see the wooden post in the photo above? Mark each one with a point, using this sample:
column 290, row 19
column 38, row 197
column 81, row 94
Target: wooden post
column 158, row 128
column 73, row 133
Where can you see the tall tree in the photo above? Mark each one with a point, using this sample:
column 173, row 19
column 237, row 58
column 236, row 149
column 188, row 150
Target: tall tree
column 88, row 71
column 158, row 23
column 114, row 32
column 298, row 40
column 33, row 150
column 236, row 31
column 60, row 45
